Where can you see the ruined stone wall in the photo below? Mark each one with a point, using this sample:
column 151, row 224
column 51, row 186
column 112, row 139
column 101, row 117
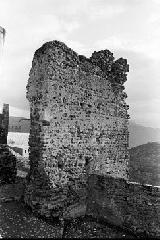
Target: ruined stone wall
column 131, row 206
column 4, row 122
column 79, row 123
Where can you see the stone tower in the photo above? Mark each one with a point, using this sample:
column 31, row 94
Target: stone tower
column 4, row 122
column 4, row 117
column 79, row 124
column 2, row 34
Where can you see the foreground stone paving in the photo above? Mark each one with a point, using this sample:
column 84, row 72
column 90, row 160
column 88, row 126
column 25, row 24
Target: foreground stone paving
column 89, row 228
column 18, row 222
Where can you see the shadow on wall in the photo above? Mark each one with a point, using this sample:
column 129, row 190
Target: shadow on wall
column 131, row 206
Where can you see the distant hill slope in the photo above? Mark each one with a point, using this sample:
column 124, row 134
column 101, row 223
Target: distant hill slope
column 14, row 120
column 19, row 124
column 145, row 164
column 141, row 135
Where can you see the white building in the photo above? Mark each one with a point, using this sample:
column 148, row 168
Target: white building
column 19, row 142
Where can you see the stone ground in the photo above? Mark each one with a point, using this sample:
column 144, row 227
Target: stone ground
column 17, row 221
column 89, row 228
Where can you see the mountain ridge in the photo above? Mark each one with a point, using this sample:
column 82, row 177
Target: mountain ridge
column 139, row 134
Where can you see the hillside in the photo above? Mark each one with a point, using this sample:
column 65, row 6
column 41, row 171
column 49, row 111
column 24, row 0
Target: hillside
column 141, row 135
column 145, row 164
column 19, row 124
column 14, row 120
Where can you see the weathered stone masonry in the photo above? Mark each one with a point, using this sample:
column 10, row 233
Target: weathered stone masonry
column 4, row 122
column 8, row 169
column 79, row 124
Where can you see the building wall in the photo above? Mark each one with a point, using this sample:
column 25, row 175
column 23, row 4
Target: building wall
column 79, row 122
column 19, row 142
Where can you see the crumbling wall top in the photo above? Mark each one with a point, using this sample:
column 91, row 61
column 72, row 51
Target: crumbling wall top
column 104, row 59
column 101, row 62
column 57, row 47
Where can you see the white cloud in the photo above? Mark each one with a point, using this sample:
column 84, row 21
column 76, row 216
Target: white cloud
column 84, row 25
column 154, row 18
column 151, row 47
column 151, row 113
column 70, row 26
column 90, row 9
column 105, row 12
column 112, row 42
column 24, row 35
column 156, row 1
column 18, row 112
column 73, row 8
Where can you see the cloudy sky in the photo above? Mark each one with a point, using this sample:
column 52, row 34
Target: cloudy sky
column 128, row 28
